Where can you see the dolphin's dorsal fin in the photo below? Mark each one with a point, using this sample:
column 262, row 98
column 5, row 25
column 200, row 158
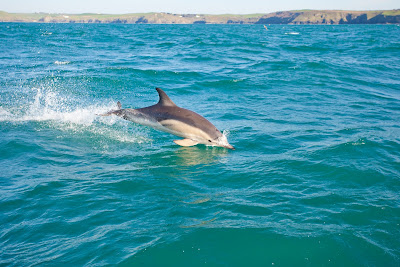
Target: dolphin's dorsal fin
column 164, row 99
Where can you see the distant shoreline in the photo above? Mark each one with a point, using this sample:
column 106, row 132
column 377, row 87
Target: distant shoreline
column 283, row 17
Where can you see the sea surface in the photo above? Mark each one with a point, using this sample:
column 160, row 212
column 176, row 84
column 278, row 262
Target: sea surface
column 313, row 112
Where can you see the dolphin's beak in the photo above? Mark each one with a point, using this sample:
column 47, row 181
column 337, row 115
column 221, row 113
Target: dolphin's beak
column 230, row 147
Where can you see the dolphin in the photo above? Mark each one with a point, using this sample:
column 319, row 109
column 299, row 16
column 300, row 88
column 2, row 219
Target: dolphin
column 168, row 117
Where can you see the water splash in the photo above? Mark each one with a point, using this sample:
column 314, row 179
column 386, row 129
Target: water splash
column 226, row 133
column 51, row 106
column 62, row 113
column 4, row 114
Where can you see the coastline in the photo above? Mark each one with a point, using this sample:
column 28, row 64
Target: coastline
column 282, row 17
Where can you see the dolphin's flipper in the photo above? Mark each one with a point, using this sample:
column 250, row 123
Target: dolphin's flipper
column 186, row 142
column 119, row 105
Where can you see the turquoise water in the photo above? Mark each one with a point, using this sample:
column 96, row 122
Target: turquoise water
column 313, row 112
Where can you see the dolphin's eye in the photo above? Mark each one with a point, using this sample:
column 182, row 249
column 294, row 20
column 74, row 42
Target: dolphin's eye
column 209, row 141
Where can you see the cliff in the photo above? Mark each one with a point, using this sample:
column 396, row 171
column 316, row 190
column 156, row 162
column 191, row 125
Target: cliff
column 331, row 17
column 284, row 17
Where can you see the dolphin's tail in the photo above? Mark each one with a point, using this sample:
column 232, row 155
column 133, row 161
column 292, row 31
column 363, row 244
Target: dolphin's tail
column 111, row 112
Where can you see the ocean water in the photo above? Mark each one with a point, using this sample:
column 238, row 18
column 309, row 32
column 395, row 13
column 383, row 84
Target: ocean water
column 313, row 111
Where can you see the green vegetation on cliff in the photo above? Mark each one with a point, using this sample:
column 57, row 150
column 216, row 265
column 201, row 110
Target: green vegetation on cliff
column 284, row 17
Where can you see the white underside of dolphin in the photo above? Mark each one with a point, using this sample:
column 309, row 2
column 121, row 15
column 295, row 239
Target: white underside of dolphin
column 168, row 117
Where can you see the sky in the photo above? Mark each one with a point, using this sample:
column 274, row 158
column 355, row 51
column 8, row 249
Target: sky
column 188, row 6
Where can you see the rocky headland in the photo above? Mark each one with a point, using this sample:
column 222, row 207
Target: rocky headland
column 284, row 17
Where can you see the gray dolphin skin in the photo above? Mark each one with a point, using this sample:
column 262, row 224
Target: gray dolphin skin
column 168, row 117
